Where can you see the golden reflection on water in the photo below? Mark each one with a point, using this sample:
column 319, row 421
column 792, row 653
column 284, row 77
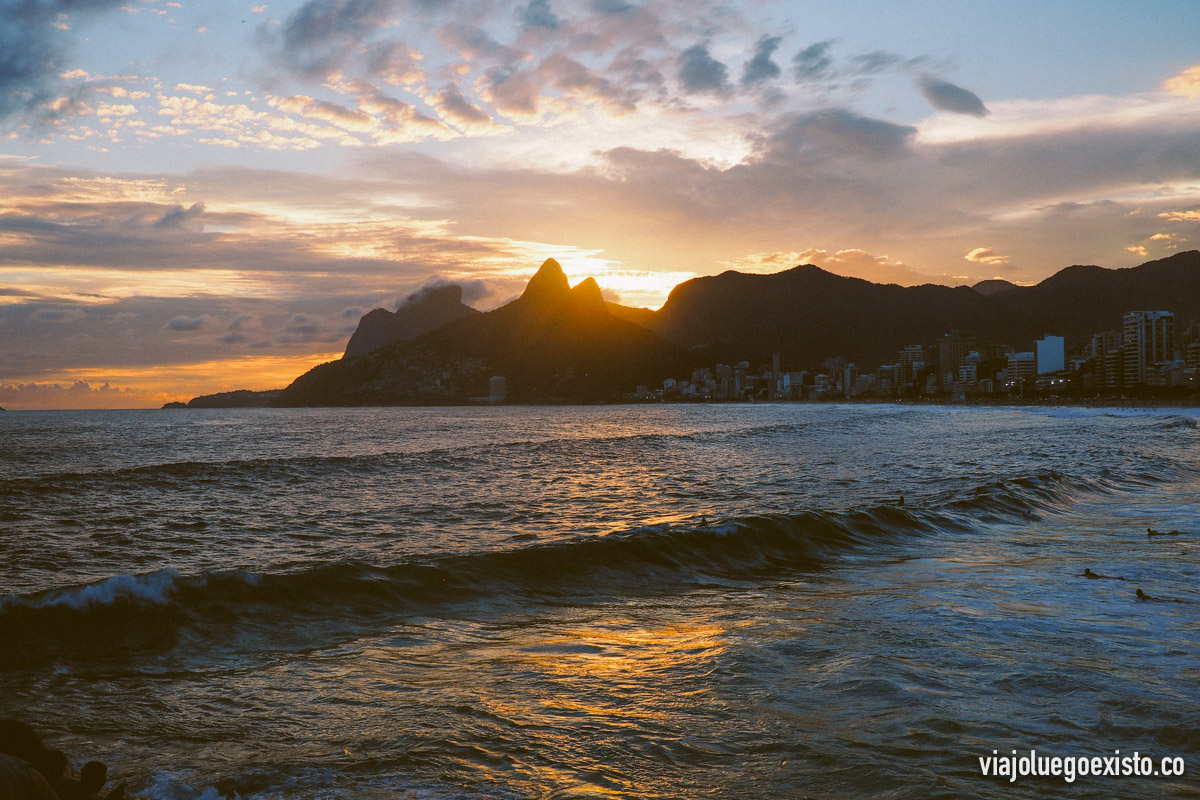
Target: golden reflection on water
column 624, row 650
column 578, row 691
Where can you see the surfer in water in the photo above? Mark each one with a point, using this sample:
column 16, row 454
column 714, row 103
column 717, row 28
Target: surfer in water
column 1094, row 576
column 1152, row 532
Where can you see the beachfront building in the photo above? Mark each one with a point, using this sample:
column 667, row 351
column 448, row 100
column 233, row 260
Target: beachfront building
column 1051, row 354
column 1149, row 338
column 1020, row 367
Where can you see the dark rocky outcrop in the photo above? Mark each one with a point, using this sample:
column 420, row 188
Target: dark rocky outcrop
column 422, row 312
column 552, row 343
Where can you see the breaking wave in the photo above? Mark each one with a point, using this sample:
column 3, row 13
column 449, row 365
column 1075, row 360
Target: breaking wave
column 148, row 611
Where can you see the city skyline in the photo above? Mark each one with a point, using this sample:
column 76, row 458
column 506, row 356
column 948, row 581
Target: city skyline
column 200, row 198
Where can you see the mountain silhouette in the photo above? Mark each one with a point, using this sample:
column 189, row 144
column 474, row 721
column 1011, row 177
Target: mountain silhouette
column 994, row 286
column 422, row 312
column 562, row 343
column 807, row 314
column 554, row 342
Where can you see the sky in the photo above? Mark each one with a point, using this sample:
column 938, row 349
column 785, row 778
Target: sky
column 205, row 196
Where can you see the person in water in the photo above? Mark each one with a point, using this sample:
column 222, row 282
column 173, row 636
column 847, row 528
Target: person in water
column 1087, row 573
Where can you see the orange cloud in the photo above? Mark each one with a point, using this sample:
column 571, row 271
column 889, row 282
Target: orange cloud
column 1185, row 84
column 986, row 255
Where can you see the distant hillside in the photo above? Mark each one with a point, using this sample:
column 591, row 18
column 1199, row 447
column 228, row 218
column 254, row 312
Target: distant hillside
column 994, row 286
column 807, row 314
column 422, row 312
column 241, row 398
column 558, row 343
column 552, row 343
column 1081, row 300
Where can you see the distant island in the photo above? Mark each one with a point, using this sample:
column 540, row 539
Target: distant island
column 803, row 333
column 242, row 398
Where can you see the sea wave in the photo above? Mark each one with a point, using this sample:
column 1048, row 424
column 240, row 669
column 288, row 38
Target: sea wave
column 147, row 611
column 1173, row 416
column 296, row 469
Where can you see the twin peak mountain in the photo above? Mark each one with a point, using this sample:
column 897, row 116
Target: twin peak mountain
column 561, row 343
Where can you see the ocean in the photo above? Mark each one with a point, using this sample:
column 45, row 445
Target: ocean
column 669, row 601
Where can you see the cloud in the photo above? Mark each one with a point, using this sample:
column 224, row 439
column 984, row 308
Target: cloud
column 570, row 76
column 32, row 50
column 813, row 63
column 839, row 133
column 1181, row 216
column 611, row 7
column 473, row 290
column 538, row 15
column 700, row 73
column 879, row 61
column 182, row 323
column 79, row 394
column 457, row 110
column 948, row 97
column 57, row 314
column 514, row 91
column 986, row 255
column 760, row 67
column 179, row 217
column 395, row 63
column 473, row 42
column 1185, row 84
column 303, row 325
column 317, row 37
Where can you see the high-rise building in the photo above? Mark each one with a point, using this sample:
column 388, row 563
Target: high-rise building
column 885, row 379
column 1020, row 366
column 1149, row 339
column 1193, row 355
column 952, row 349
column 1051, row 355
column 724, row 380
column 497, row 388
column 850, row 380
column 968, row 368
column 1108, row 360
column 912, row 358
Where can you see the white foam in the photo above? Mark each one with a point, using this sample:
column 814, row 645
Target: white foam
column 1077, row 412
column 166, row 786
column 152, row 588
